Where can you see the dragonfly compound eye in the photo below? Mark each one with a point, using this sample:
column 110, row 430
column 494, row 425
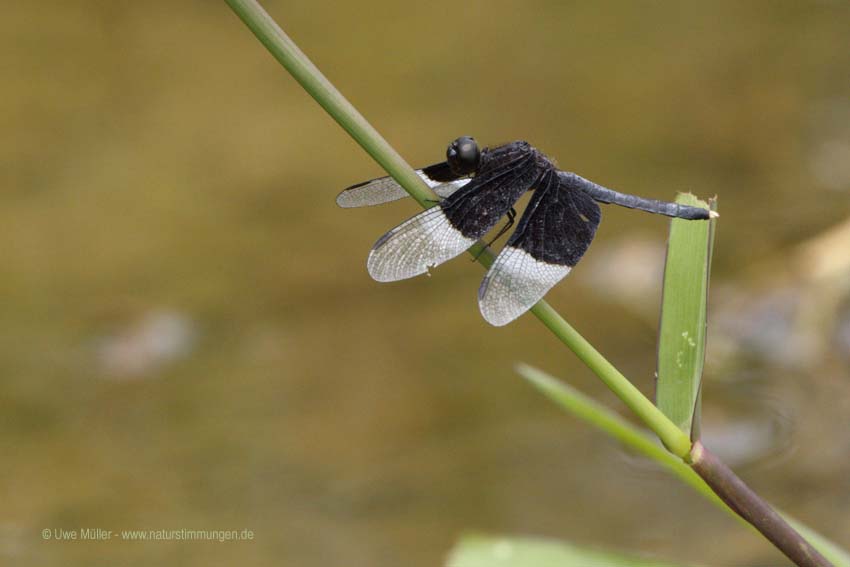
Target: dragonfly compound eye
column 463, row 155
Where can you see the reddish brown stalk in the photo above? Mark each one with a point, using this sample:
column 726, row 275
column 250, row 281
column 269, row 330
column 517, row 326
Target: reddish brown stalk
column 747, row 504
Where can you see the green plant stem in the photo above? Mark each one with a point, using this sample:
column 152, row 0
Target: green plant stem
column 676, row 441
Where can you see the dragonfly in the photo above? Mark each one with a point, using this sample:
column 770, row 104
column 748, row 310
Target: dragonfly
column 477, row 187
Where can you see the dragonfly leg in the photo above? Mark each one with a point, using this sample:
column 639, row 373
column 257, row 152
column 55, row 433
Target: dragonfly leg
column 503, row 230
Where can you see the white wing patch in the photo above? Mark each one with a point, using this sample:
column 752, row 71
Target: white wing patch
column 422, row 242
column 386, row 190
column 514, row 283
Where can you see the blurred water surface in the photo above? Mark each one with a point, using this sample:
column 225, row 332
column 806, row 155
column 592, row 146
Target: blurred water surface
column 191, row 340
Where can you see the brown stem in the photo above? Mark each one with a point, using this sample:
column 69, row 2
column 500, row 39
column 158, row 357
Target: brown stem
column 747, row 504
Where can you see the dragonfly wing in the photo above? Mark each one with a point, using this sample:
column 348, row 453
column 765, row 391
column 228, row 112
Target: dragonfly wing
column 553, row 234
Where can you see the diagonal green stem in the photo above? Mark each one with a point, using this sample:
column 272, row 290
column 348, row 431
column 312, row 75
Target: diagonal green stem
column 673, row 438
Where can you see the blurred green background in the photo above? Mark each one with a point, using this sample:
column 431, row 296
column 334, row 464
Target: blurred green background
column 191, row 339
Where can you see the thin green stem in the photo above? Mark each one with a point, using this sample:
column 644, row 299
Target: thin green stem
column 673, row 438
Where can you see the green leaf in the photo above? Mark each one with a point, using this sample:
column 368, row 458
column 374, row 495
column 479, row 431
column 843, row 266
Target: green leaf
column 681, row 337
column 488, row 551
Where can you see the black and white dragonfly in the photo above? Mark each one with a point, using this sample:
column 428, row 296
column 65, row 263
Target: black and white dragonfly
column 477, row 187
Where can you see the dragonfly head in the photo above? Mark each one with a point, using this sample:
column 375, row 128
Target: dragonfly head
column 463, row 155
